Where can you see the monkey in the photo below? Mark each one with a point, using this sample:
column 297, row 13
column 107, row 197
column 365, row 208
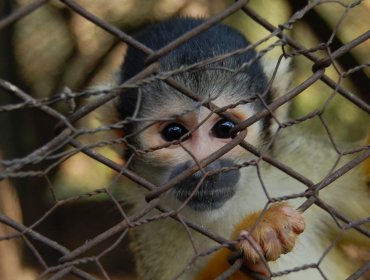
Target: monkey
column 167, row 133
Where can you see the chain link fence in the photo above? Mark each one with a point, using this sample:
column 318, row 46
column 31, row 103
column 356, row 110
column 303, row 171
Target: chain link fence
column 54, row 138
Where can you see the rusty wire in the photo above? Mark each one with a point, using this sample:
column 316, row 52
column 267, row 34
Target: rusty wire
column 67, row 135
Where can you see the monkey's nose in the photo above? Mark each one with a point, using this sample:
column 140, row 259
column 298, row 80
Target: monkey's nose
column 212, row 167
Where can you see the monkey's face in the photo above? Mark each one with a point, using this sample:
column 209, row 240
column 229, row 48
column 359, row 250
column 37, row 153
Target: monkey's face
column 171, row 132
column 187, row 135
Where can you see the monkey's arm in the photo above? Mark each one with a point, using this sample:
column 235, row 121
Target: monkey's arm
column 274, row 234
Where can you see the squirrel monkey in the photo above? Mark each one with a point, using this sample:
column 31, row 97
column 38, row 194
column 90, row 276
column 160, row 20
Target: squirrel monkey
column 226, row 196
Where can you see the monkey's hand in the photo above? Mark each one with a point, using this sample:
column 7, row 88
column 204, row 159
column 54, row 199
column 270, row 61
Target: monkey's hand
column 274, row 234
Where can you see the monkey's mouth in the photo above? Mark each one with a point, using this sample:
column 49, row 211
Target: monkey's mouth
column 213, row 192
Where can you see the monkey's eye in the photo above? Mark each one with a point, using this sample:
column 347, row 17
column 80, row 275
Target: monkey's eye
column 222, row 129
column 173, row 131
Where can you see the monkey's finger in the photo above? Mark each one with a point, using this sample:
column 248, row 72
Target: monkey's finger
column 260, row 268
column 295, row 219
column 252, row 250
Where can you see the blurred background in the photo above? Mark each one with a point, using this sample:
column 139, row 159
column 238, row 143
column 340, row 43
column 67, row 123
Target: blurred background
column 53, row 48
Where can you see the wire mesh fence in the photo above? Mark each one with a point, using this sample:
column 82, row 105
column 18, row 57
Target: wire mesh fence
column 84, row 233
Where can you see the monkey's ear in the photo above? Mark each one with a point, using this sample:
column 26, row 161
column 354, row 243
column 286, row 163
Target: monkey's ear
column 281, row 81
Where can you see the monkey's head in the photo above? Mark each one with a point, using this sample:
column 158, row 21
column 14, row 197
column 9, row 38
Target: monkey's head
column 157, row 114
